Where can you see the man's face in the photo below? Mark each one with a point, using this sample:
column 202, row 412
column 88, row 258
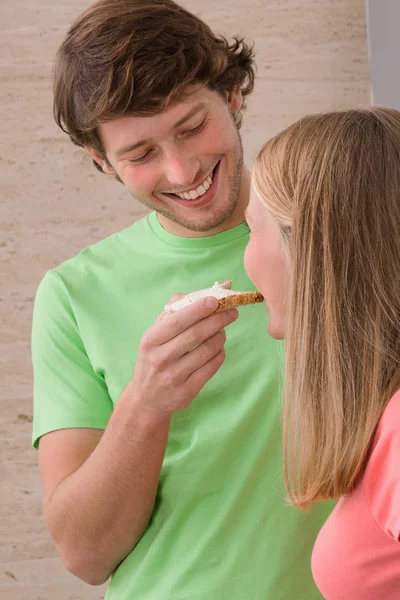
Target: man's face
column 186, row 163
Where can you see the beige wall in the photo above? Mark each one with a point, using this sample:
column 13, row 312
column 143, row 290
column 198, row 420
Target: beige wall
column 312, row 56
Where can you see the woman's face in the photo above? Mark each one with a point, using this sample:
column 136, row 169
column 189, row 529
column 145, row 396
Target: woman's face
column 265, row 264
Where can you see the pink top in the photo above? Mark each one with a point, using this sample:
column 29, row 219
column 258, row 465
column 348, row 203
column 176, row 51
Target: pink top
column 357, row 553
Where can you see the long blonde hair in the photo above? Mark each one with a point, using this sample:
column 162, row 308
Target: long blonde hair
column 332, row 181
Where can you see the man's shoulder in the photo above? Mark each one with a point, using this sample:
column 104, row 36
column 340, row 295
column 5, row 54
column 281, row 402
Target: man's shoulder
column 106, row 252
column 99, row 266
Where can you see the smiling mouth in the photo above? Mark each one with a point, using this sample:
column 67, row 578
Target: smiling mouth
column 197, row 192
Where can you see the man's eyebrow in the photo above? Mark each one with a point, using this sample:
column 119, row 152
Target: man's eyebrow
column 129, row 148
column 189, row 115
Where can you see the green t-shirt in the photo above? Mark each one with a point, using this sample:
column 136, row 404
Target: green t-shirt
column 220, row 529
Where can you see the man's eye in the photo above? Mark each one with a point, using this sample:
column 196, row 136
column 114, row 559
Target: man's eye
column 197, row 128
column 142, row 158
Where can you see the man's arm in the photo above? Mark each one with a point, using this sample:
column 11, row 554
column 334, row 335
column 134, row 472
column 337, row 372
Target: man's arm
column 99, row 487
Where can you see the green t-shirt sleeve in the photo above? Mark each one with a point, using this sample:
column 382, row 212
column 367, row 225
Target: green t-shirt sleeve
column 67, row 392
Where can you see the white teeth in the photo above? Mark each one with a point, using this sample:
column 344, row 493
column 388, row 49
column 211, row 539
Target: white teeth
column 193, row 194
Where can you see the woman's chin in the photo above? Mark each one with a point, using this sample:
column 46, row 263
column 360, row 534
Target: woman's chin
column 275, row 330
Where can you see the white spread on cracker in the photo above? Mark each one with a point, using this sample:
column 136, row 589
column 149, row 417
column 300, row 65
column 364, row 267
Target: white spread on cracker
column 218, row 290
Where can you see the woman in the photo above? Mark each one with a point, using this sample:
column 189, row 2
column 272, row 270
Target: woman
column 324, row 250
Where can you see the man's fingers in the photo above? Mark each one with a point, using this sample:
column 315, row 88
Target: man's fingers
column 199, row 333
column 202, row 354
column 200, row 377
column 170, row 326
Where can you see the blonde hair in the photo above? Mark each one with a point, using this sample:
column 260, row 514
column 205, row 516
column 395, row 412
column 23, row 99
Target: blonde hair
column 332, row 181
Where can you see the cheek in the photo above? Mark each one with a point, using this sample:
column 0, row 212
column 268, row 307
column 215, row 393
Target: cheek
column 266, row 268
column 253, row 261
column 140, row 181
column 224, row 135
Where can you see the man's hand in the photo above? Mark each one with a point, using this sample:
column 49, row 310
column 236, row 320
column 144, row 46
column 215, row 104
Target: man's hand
column 178, row 355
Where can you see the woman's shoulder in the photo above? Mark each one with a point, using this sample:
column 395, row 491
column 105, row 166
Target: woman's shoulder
column 390, row 420
column 382, row 474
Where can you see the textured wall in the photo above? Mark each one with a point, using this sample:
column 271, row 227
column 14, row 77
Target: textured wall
column 312, row 55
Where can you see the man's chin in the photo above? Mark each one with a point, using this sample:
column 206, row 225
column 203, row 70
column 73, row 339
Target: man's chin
column 197, row 224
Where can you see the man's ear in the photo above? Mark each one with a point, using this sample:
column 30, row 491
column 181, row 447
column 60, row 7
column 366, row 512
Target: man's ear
column 101, row 161
column 235, row 100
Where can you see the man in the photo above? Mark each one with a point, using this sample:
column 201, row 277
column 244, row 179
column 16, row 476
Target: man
column 160, row 457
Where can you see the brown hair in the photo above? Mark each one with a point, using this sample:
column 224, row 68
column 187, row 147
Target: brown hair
column 136, row 56
column 332, row 181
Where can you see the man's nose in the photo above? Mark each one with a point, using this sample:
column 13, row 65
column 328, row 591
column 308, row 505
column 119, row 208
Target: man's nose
column 180, row 169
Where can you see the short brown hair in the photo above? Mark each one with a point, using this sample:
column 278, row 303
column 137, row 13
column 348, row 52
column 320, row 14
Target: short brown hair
column 136, row 56
column 332, row 182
